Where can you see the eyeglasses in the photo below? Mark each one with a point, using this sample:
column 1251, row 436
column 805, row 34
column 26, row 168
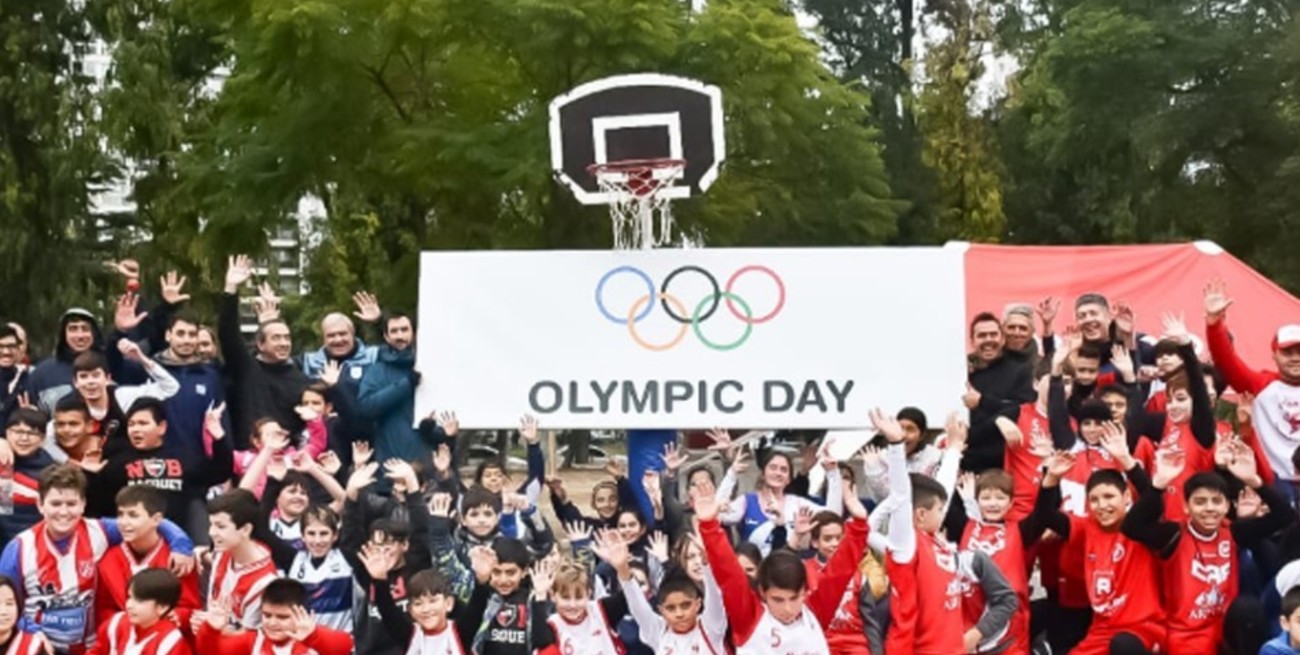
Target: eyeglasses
column 24, row 432
column 10, row 346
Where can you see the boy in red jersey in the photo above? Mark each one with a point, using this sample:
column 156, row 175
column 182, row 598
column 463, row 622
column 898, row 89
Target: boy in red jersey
column 139, row 513
column 1005, row 540
column 1200, row 555
column 926, row 573
column 287, row 627
column 780, row 617
column 145, row 626
column 1029, row 439
column 1119, row 572
column 241, row 566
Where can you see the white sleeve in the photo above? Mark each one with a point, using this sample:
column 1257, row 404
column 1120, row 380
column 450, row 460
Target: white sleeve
column 835, row 491
column 714, row 617
column 902, row 537
column 874, row 480
column 877, row 540
column 947, row 473
column 649, row 624
column 726, row 487
column 733, row 511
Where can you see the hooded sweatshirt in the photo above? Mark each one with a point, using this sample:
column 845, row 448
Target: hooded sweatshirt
column 52, row 378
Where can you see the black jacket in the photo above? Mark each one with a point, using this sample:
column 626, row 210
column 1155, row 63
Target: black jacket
column 1004, row 386
column 258, row 389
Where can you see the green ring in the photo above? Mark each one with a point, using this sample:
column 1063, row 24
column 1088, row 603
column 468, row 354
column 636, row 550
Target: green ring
column 699, row 309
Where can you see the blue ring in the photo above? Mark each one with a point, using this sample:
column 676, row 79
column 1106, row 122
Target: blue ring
column 650, row 289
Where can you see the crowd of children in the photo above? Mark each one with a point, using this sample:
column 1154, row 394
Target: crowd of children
column 1098, row 499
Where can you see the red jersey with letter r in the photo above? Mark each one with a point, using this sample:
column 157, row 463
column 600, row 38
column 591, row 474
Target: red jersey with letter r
column 1121, row 575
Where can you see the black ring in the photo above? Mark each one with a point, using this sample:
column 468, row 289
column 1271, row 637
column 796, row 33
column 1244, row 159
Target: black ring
column 717, row 294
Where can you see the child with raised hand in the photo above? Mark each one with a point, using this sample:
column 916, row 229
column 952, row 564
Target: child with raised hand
column 434, row 624
column 287, row 627
column 575, row 623
column 145, row 627
column 1201, row 566
column 513, row 522
column 332, row 592
column 926, row 573
column 780, row 617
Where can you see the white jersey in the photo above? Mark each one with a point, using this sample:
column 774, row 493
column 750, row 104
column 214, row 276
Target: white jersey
column 589, row 637
column 331, row 590
column 771, row 637
column 444, row 642
column 695, row 642
column 289, row 531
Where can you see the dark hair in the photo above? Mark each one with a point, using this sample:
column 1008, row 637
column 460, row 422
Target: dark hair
column 1112, row 390
column 296, row 479
column 822, row 519
column 677, row 582
column 428, row 583
column 1093, row 409
column 751, row 552
column 29, row 416
column 261, row 328
column 789, row 461
column 89, row 360
column 7, row 330
column 323, row 514
column 159, row 585
column 984, row 317
column 634, row 512
column 62, row 476
column 239, row 504
column 926, row 490
column 485, row 465
column 1176, row 381
column 995, row 479
column 915, row 415
column 1091, row 299
column 184, row 317
column 72, row 402
column 285, row 592
column 394, row 316
column 152, row 499
column 320, row 389
column 478, row 497
column 1290, row 600
column 1106, row 477
column 149, row 404
column 1089, row 350
column 1205, row 480
column 512, row 551
column 1216, row 378
column 6, row 581
column 782, row 570
column 690, row 473
column 1166, row 347
column 391, row 528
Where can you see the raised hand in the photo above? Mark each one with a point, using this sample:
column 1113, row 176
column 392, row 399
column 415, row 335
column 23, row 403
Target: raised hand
column 659, row 546
column 481, row 560
column 1242, row 465
column 1125, row 318
column 130, row 350
column 615, row 467
column 673, row 457
column 400, row 472
column 239, row 270
column 872, row 457
column 1176, row 328
column 803, row 521
column 1059, row 463
column 125, row 317
column 379, row 561
column 957, row 432
column 1245, row 408
column 1071, row 341
column 557, row 488
column 127, row 268
column 329, row 462
column 212, row 422
column 578, row 531
column 543, row 575
column 852, row 504
column 740, row 461
column 1169, row 465
column 304, row 623
column 449, row 423
column 367, row 307
column 886, row 425
column 1047, row 309
column 1010, row 431
column 1249, row 504
column 442, row 459
column 1123, row 361
column 306, row 413
column 1114, row 439
column 721, row 439
column 611, row 547
column 331, row 373
column 440, row 506
column 706, row 506
column 361, row 453
column 1216, row 301
column 362, row 477
column 173, row 288
column 651, row 483
column 517, row 502
column 528, row 429
column 91, row 462
column 218, row 613
column 267, row 303
column 966, row 485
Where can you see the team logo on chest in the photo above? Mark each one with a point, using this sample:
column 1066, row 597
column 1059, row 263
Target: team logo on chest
column 154, row 467
column 507, row 615
column 989, row 542
column 1210, row 573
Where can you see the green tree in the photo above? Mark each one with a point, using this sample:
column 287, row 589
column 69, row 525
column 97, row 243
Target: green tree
column 50, row 166
column 958, row 143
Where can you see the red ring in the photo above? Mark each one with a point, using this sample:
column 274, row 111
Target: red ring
column 780, row 298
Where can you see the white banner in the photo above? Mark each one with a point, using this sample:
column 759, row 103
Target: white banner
column 756, row 338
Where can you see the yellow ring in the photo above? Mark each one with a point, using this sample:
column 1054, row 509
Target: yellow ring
column 631, row 323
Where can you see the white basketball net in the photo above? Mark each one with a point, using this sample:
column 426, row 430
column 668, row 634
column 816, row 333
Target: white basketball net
column 641, row 213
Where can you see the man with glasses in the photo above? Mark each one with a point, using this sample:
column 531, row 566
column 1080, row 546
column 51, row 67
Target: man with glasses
column 13, row 368
column 22, row 452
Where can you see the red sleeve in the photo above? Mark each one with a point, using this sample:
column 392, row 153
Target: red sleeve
column 743, row 608
column 190, row 600
column 839, row 572
column 210, row 641
column 1105, row 380
column 182, row 647
column 1242, row 378
column 317, row 437
column 329, row 642
column 101, row 642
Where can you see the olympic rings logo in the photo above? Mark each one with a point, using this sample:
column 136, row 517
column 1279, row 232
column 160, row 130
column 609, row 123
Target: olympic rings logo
column 689, row 320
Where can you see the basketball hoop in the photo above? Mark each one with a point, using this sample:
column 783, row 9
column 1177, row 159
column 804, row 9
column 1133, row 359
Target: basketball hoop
column 638, row 206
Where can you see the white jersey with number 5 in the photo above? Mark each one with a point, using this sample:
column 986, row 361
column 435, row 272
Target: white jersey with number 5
column 591, row 636
column 802, row 637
